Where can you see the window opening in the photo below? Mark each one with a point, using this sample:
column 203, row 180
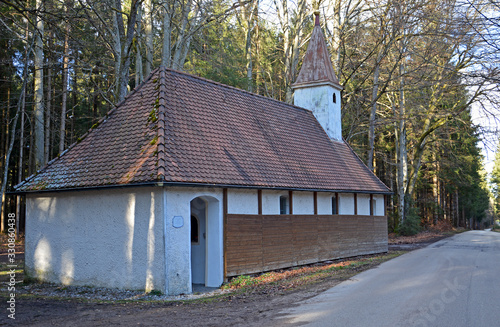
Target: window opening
column 334, row 98
column 284, row 205
column 335, row 210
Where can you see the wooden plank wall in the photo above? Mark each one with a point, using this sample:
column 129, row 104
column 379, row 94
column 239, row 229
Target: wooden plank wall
column 256, row 243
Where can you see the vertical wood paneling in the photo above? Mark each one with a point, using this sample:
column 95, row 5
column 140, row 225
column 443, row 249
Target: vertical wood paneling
column 256, row 243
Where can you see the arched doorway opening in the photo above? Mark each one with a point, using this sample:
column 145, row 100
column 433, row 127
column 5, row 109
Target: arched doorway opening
column 206, row 242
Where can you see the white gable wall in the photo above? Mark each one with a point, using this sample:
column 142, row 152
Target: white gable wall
column 108, row 238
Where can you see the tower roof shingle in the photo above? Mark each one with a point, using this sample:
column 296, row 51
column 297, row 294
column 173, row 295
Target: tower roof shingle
column 316, row 65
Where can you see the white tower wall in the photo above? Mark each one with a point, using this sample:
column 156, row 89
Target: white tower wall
column 320, row 100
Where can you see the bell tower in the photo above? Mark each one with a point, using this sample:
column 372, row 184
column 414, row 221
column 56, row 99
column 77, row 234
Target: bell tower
column 317, row 88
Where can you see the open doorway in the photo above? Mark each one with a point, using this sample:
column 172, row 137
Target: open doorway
column 206, row 242
column 198, row 240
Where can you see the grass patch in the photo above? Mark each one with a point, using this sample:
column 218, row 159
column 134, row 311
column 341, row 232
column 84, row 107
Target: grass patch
column 306, row 275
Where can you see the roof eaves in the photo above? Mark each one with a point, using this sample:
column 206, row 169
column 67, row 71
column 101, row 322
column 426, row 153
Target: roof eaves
column 317, row 83
column 188, row 184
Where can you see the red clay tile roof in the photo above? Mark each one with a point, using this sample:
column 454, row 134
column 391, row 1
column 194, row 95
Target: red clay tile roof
column 316, row 66
column 179, row 128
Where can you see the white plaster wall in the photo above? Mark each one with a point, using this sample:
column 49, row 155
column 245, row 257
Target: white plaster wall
column 242, row 201
column 363, row 204
column 271, row 202
column 379, row 205
column 325, row 203
column 105, row 238
column 303, row 203
column 346, row 203
column 319, row 99
column 178, row 239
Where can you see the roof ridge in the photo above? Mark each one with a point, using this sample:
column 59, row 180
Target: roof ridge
column 233, row 88
column 162, row 97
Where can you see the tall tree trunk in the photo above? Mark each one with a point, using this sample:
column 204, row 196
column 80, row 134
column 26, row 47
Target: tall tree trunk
column 62, row 127
column 402, row 164
column 373, row 113
column 126, row 38
column 20, row 169
column 11, row 145
column 48, row 109
column 297, row 39
column 246, row 19
column 290, row 50
column 138, row 57
column 183, row 38
column 435, row 190
column 117, row 54
column 39, row 106
column 6, row 164
column 148, row 30
column 166, row 53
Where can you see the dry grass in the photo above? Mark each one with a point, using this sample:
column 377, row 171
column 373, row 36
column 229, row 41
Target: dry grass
column 286, row 279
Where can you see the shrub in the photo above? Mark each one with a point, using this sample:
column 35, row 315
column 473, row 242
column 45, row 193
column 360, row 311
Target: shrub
column 411, row 225
column 442, row 226
column 155, row 293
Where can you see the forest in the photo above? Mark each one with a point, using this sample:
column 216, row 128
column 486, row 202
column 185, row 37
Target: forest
column 413, row 71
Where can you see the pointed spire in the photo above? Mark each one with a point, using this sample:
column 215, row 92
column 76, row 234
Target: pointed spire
column 316, row 67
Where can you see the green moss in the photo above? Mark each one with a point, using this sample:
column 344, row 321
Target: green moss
column 153, row 116
column 154, row 140
column 95, row 125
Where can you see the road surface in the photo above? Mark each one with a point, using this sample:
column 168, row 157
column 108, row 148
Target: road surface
column 454, row 282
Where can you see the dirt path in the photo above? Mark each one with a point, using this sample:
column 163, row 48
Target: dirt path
column 255, row 308
column 238, row 310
